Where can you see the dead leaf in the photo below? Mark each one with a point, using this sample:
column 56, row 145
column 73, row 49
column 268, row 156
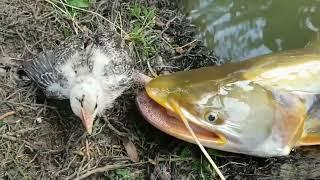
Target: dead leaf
column 131, row 150
column 180, row 50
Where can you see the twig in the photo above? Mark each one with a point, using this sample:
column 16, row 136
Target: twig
column 16, row 59
column 25, row 44
column 121, row 134
column 107, row 168
column 121, row 24
column 22, row 131
column 11, row 138
column 87, row 149
column 151, row 70
column 187, row 44
column 236, row 163
column 7, row 114
column 154, row 162
column 29, row 105
column 64, row 169
column 168, row 25
column 185, row 121
column 117, row 166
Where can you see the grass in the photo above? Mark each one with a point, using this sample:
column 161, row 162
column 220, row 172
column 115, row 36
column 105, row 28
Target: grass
column 79, row 3
column 125, row 174
column 201, row 166
column 2, row 123
column 70, row 8
column 142, row 31
column 143, row 22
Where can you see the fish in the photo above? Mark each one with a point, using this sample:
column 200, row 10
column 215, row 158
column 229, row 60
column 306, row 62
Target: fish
column 264, row 106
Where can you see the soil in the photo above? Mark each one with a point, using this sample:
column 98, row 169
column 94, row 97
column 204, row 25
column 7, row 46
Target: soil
column 41, row 138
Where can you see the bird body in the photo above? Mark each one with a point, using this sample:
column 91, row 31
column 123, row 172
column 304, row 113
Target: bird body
column 92, row 74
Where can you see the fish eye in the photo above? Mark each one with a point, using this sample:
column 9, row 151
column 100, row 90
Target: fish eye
column 211, row 116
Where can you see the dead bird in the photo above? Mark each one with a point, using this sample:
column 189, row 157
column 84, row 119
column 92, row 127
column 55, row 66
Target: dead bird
column 263, row 107
column 91, row 73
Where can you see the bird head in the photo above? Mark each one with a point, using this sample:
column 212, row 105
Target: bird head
column 86, row 101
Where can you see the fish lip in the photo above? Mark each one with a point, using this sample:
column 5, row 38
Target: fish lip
column 157, row 115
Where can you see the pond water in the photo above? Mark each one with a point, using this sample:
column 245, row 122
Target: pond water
column 240, row 29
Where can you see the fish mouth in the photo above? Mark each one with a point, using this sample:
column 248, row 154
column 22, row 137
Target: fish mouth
column 171, row 124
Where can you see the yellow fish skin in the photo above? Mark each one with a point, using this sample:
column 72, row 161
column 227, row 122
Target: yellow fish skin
column 261, row 107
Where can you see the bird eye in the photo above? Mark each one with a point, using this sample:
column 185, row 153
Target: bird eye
column 211, row 116
column 95, row 107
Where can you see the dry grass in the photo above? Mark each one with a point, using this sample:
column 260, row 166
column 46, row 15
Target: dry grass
column 42, row 139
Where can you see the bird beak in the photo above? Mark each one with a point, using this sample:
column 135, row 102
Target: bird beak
column 87, row 120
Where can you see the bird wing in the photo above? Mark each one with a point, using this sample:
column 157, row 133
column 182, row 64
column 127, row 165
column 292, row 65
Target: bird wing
column 44, row 70
column 118, row 61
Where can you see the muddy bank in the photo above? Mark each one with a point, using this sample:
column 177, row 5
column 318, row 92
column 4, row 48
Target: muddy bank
column 42, row 139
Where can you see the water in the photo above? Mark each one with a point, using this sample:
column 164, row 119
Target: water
column 240, row 29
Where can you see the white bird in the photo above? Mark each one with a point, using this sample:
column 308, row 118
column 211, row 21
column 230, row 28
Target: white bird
column 91, row 75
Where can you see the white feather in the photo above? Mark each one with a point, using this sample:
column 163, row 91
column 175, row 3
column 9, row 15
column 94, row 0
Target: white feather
column 100, row 61
column 106, row 86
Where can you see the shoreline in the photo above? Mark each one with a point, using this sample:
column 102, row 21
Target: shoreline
column 44, row 140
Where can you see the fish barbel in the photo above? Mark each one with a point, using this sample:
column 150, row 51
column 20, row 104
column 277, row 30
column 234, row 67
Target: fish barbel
column 265, row 106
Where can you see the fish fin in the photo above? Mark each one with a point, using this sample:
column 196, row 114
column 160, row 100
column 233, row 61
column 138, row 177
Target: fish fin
column 311, row 132
column 292, row 112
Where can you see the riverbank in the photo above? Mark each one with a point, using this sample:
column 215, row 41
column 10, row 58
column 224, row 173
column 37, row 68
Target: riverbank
column 42, row 139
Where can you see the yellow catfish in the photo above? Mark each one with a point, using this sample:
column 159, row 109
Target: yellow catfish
column 263, row 107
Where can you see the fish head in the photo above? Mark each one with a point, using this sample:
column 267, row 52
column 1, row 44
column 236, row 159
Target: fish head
column 227, row 114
